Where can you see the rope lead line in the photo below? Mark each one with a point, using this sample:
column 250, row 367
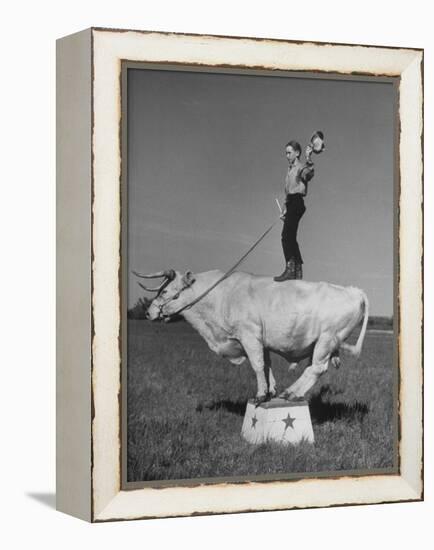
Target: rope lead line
column 229, row 272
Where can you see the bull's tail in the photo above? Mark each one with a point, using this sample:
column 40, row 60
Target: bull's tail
column 356, row 349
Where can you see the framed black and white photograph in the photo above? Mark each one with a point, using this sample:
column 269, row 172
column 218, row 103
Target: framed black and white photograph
column 249, row 284
column 205, row 163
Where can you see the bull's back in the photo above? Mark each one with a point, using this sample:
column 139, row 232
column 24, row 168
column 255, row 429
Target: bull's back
column 295, row 311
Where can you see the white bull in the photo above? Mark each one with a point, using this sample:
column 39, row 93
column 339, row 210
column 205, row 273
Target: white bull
column 246, row 316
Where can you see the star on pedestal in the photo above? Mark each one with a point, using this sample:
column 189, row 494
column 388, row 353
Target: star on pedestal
column 254, row 421
column 288, row 422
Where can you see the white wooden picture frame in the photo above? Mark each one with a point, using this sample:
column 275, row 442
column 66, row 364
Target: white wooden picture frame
column 88, row 273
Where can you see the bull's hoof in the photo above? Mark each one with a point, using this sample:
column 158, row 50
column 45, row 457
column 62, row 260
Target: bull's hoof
column 289, row 396
column 285, row 395
column 261, row 399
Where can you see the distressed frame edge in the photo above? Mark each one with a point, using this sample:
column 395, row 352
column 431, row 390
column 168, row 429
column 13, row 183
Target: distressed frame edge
column 410, row 490
column 113, row 510
column 73, row 288
column 410, row 286
column 254, row 38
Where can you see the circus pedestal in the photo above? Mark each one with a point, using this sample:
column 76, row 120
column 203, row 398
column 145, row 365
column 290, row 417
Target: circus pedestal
column 277, row 420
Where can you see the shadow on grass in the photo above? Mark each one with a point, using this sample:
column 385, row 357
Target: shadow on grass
column 234, row 407
column 323, row 411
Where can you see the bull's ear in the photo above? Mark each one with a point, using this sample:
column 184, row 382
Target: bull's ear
column 188, row 278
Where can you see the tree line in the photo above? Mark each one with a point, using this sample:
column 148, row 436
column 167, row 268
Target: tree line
column 138, row 311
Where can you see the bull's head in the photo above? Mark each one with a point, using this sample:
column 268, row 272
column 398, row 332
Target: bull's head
column 172, row 294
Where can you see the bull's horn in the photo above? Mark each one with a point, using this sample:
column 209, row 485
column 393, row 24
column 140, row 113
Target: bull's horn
column 157, row 289
column 151, row 275
column 168, row 274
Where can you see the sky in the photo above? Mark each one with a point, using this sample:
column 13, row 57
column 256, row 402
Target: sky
column 206, row 160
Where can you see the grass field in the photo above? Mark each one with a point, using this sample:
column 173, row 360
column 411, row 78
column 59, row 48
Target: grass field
column 186, row 405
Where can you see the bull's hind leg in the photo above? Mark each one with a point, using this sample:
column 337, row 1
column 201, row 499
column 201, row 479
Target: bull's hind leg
column 320, row 360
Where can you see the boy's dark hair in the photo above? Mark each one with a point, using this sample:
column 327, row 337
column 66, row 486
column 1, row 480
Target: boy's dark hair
column 295, row 145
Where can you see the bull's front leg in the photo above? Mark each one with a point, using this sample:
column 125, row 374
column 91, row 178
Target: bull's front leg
column 269, row 378
column 255, row 353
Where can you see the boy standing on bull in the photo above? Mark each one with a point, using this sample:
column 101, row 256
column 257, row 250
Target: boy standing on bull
column 296, row 184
